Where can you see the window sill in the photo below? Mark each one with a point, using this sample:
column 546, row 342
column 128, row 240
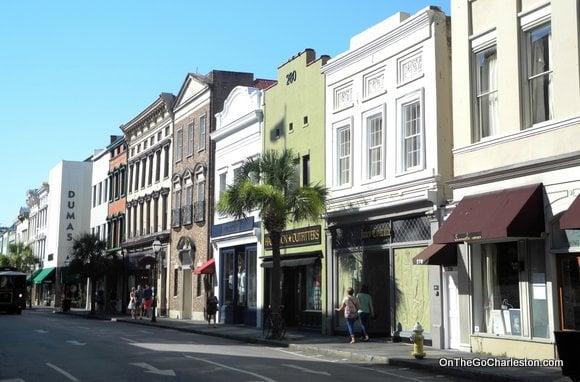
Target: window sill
column 336, row 111
column 342, row 187
column 539, row 128
column 410, row 170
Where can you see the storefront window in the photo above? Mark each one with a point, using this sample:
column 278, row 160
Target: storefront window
column 570, row 290
column 538, row 289
column 411, row 291
column 372, row 269
column 251, row 281
column 501, row 296
column 242, row 275
column 313, row 292
column 228, row 264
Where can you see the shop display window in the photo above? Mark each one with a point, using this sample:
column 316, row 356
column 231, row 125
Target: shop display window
column 313, row 290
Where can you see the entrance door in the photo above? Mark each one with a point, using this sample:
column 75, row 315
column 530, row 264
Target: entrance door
column 187, row 294
column 452, row 310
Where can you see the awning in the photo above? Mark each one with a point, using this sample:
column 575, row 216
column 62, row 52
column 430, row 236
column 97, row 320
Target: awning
column 32, row 276
column 437, row 254
column 291, row 262
column 515, row 212
column 206, row 268
column 42, row 275
column 571, row 218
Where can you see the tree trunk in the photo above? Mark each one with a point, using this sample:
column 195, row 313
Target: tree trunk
column 93, row 295
column 275, row 290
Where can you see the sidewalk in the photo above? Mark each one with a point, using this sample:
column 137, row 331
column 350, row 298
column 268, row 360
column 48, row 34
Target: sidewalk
column 378, row 351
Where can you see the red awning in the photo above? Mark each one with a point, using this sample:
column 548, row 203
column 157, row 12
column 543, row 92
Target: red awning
column 571, row 218
column 206, row 268
column 515, row 212
column 437, row 254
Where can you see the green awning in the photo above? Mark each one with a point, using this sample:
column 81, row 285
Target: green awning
column 42, row 275
column 33, row 275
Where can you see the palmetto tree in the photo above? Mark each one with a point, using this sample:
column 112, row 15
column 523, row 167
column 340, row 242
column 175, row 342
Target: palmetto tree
column 21, row 257
column 271, row 185
column 90, row 260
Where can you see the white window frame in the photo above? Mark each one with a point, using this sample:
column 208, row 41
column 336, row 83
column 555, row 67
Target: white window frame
column 337, row 128
column 365, row 116
column 530, row 20
column 415, row 96
column 178, row 145
column 479, row 45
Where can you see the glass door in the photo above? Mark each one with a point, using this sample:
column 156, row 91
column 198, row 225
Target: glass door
column 569, row 269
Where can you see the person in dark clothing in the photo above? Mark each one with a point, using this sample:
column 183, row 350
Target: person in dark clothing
column 147, row 300
column 212, row 306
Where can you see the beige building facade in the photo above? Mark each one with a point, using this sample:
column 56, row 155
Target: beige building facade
column 516, row 153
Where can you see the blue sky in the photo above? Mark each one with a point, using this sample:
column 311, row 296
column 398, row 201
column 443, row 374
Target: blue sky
column 71, row 72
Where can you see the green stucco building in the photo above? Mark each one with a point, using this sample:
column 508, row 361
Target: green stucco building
column 294, row 119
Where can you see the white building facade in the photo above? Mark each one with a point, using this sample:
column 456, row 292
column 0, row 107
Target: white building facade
column 236, row 242
column 37, row 201
column 149, row 137
column 388, row 137
column 100, row 193
column 69, row 210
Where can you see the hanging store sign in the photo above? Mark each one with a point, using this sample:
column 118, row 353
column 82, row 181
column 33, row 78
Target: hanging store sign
column 296, row 237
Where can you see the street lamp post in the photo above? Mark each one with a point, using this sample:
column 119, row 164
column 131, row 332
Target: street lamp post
column 156, row 246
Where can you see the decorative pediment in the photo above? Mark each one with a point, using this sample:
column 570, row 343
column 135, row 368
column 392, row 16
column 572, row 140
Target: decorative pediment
column 192, row 85
column 241, row 101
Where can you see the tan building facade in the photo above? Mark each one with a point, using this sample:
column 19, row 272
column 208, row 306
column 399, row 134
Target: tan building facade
column 516, row 92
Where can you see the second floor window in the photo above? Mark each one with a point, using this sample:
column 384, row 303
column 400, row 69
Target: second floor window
column 343, row 151
column 201, row 140
column 486, row 98
column 178, row 145
column 374, row 145
column 223, row 184
column 412, row 135
column 539, row 48
column 189, row 139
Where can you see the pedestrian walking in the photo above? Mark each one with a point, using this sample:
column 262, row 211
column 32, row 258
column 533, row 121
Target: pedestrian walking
column 212, row 306
column 350, row 306
column 138, row 300
column 147, row 300
column 132, row 302
column 365, row 309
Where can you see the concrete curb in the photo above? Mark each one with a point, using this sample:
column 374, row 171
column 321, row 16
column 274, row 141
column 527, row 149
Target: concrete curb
column 428, row 365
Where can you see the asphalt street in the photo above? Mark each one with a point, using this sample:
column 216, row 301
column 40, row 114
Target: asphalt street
column 43, row 346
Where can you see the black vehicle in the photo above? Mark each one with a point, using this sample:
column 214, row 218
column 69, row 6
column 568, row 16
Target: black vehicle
column 12, row 290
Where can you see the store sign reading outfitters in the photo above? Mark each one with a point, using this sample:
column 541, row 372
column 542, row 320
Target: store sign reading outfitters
column 296, row 237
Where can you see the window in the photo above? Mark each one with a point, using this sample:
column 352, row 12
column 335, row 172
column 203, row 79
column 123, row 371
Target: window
column 138, row 148
column 175, row 281
column 166, row 131
column 486, row 97
column 130, row 178
column 177, row 199
column 164, row 213
column 145, row 145
column 117, row 188
column 141, row 217
column 374, row 145
column 155, row 214
column 100, row 193
column 157, row 165
column 159, row 136
column 105, row 188
column 412, row 135
column 343, row 151
column 539, row 47
column 132, row 151
column 290, row 126
column 95, row 195
column 166, row 162
column 137, row 164
column 148, row 217
column 150, row 178
column 122, row 177
column 144, row 172
column 178, row 145
column 188, row 192
column 277, row 133
column 189, row 139
column 198, row 286
column 152, row 141
column 202, row 122
column 305, row 120
column 200, row 189
column 223, row 184
column 306, row 170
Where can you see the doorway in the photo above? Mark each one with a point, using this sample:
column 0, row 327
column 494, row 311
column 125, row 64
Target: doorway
column 452, row 309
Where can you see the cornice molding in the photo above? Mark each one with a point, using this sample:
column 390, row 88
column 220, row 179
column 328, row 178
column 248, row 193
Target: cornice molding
column 406, row 28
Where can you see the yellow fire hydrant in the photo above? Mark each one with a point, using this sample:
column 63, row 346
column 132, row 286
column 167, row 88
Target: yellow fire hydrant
column 417, row 339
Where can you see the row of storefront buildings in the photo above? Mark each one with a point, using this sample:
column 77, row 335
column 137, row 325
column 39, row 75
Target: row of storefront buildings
column 450, row 150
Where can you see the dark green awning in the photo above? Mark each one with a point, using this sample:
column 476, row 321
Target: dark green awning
column 42, row 275
column 32, row 276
